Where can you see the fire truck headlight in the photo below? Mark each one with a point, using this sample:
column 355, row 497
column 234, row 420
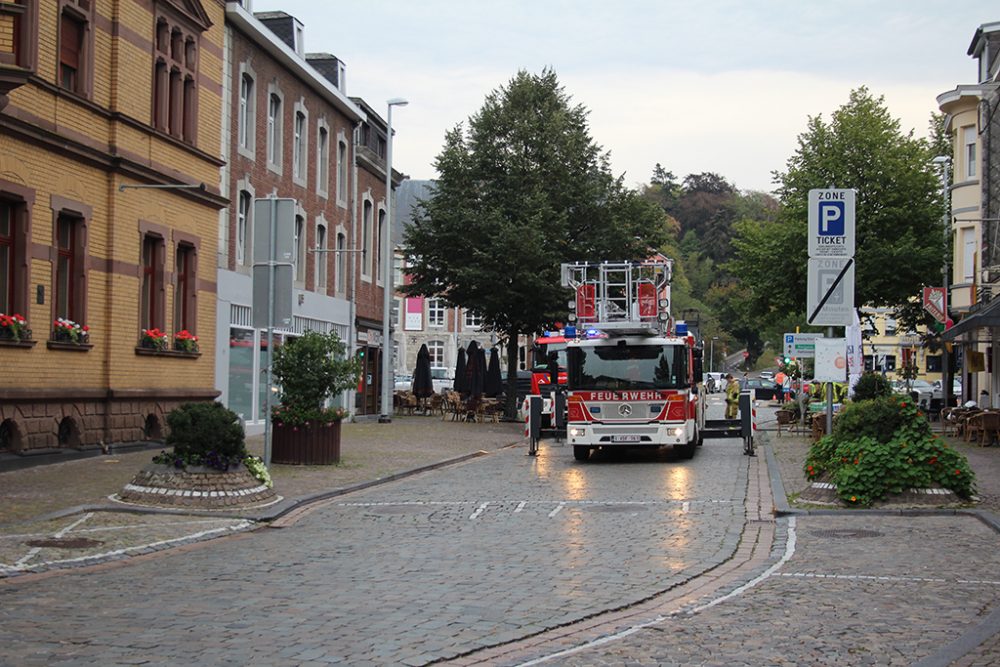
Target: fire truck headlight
column 663, row 304
column 571, row 304
column 571, row 317
column 676, row 432
column 662, row 316
column 576, row 432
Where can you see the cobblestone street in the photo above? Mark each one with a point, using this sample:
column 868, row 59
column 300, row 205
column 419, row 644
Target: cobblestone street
column 511, row 560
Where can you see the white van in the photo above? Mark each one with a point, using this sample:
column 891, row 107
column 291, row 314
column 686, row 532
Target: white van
column 715, row 382
column 441, row 379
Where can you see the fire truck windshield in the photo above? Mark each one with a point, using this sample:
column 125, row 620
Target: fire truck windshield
column 628, row 367
column 542, row 359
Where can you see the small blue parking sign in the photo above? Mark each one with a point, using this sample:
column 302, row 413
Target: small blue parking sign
column 831, row 223
column 831, row 218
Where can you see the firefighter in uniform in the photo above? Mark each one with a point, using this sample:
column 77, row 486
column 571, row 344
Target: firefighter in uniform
column 732, row 397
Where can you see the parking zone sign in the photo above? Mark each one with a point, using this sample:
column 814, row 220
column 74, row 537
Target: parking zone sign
column 831, row 223
column 830, row 292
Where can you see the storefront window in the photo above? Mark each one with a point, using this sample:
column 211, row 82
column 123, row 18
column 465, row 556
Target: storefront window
column 241, row 377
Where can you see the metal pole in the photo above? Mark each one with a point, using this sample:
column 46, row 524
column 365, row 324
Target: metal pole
column 711, row 356
column 270, row 330
column 829, row 395
column 387, row 364
column 945, row 356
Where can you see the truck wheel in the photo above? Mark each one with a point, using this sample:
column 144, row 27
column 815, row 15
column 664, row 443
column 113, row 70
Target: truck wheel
column 686, row 451
column 581, row 453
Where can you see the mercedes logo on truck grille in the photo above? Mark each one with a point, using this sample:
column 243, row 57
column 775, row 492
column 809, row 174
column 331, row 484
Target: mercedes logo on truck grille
column 625, row 410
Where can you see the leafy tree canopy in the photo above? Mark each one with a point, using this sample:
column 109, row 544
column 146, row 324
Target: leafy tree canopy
column 522, row 189
column 899, row 236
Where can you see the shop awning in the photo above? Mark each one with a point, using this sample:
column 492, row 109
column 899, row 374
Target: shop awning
column 987, row 316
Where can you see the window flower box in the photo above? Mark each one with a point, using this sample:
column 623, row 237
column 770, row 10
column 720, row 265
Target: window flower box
column 185, row 341
column 14, row 328
column 154, row 339
column 68, row 331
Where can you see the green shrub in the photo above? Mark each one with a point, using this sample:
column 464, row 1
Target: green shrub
column 885, row 446
column 872, row 385
column 310, row 369
column 205, row 434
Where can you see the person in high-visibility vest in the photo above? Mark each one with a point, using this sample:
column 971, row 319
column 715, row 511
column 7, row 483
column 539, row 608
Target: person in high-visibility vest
column 732, row 397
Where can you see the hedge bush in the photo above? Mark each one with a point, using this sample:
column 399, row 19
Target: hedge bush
column 885, row 446
column 206, row 434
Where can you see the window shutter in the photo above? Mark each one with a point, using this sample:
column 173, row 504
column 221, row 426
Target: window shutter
column 70, row 36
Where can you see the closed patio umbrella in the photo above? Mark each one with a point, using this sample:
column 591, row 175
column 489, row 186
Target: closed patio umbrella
column 475, row 370
column 493, row 384
column 423, row 385
column 460, row 384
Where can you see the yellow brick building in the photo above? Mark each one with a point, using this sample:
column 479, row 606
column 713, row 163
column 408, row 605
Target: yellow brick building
column 110, row 125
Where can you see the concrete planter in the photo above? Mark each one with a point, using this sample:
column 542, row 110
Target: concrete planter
column 313, row 444
column 196, row 488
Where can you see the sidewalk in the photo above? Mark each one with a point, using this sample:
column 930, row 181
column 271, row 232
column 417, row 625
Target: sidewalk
column 47, row 502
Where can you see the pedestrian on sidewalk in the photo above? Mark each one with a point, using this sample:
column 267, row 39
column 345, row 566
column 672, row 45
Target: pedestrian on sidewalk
column 732, row 397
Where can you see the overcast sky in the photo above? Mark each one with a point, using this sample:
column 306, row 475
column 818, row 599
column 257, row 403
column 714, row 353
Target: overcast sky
column 713, row 85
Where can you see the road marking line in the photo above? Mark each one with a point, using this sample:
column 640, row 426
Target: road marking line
column 883, row 577
column 520, row 506
column 118, row 552
column 557, row 510
column 479, row 510
column 685, row 506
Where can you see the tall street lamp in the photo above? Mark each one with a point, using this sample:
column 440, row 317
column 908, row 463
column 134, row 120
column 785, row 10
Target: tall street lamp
column 387, row 265
column 711, row 354
column 943, row 160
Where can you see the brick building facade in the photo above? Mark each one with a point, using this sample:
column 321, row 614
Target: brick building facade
column 292, row 131
column 110, row 106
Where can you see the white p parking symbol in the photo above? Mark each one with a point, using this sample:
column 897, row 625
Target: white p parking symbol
column 831, row 218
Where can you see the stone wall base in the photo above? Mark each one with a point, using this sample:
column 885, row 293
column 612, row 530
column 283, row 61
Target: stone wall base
column 39, row 421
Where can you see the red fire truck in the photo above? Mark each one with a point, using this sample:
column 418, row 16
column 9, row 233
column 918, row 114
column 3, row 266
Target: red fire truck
column 632, row 372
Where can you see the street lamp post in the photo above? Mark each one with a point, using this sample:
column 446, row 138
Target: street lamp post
column 387, row 265
column 946, row 219
column 711, row 354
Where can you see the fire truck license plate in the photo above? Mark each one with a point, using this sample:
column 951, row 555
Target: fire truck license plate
column 626, row 438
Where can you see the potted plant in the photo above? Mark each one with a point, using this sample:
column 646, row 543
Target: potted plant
column 14, row 327
column 154, row 339
column 185, row 341
column 68, row 331
column 309, row 371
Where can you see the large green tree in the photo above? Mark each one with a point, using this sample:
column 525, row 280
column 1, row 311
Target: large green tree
column 521, row 190
column 899, row 243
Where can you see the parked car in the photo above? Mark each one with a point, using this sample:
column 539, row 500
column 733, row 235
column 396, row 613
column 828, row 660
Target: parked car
column 714, row 382
column 441, row 379
column 404, row 382
column 766, row 375
column 923, row 390
column 764, row 390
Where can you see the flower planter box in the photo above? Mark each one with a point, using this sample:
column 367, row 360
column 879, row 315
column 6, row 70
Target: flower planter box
column 315, row 444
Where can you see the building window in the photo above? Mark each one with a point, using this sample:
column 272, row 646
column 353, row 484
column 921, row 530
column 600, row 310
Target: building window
column 380, row 240
column 299, row 147
column 342, row 173
column 969, row 151
column 22, row 16
column 366, row 239
column 890, row 325
column 341, row 260
column 243, row 228
column 175, row 73
column 13, row 260
column 248, row 107
column 75, row 45
column 323, row 160
column 299, row 256
column 274, row 130
column 968, row 255
column 66, row 252
column 472, row 320
column 185, row 288
column 321, row 258
column 151, row 306
column 435, row 312
column 436, row 348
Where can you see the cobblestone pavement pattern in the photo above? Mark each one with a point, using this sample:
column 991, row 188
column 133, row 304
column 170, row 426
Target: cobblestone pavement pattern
column 425, row 568
column 438, row 566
